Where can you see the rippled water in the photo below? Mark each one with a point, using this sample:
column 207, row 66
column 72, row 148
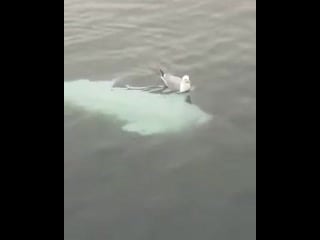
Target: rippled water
column 197, row 184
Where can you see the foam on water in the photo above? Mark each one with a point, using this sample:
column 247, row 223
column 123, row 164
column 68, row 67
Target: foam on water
column 141, row 112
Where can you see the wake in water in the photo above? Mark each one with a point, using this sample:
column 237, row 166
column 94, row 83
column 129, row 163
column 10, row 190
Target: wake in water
column 140, row 111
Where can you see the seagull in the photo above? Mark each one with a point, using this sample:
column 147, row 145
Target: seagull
column 170, row 84
column 175, row 83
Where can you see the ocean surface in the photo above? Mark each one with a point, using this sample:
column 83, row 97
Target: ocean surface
column 144, row 166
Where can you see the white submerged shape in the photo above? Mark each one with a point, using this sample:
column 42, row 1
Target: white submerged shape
column 142, row 112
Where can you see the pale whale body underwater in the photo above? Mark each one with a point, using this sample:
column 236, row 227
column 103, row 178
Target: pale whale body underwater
column 139, row 111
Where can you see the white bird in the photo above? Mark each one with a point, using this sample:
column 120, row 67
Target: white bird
column 175, row 83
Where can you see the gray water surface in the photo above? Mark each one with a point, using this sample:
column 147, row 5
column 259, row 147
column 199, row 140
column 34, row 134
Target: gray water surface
column 198, row 184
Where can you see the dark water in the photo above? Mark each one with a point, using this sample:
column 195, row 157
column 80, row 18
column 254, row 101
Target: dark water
column 192, row 185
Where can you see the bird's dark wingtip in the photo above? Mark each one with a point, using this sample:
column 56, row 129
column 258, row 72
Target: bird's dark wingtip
column 162, row 73
column 188, row 99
